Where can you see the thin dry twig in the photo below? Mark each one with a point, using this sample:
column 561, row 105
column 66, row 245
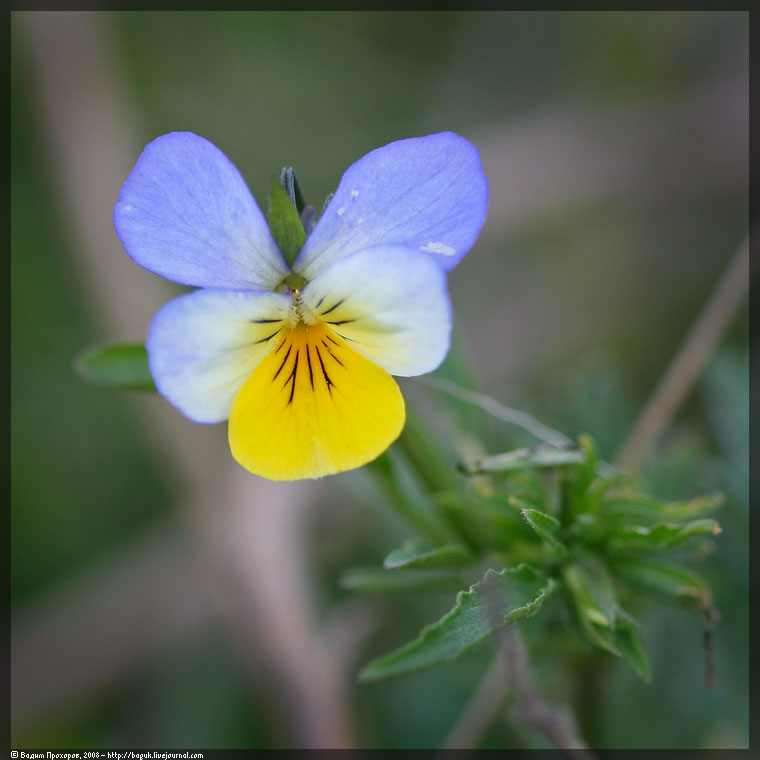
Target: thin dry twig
column 689, row 361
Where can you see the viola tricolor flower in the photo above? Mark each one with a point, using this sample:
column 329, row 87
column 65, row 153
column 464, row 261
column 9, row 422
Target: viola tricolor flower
column 299, row 357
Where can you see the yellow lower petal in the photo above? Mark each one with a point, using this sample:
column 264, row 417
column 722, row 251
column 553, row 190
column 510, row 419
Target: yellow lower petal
column 313, row 407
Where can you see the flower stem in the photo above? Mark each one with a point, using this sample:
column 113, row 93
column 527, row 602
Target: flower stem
column 407, row 505
column 498, row 410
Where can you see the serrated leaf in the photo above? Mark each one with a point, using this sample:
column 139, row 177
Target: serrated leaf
column 376, row 579
column 541, row 456
column 284, row 222
column 411, row 556
column 662, row 536
column 116, row 365
column 544, row 525
column 500, row 599
column 665, row 578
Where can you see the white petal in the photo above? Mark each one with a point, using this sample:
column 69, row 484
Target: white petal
column 390, row 303
column 204, row 345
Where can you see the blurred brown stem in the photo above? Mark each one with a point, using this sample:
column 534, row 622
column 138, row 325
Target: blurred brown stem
column 483, row 707
column 689, row 361
column 57, row 661
column 241, row 527
column 511, row 669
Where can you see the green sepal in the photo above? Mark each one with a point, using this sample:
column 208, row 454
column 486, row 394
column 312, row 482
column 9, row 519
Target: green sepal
column 503, row 597
column 285, row 223
column 289, row 183
column 116, row 365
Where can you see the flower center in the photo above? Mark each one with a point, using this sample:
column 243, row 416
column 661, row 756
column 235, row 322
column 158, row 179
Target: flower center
column 299, row 312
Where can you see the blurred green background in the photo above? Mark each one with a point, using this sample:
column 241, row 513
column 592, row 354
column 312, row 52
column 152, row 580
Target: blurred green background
column 146, row 609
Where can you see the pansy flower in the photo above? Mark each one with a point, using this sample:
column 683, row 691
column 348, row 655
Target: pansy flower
column 299, row 356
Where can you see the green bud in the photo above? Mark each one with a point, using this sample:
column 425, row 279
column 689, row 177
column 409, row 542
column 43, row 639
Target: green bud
column 284, row 222
column 290, row 184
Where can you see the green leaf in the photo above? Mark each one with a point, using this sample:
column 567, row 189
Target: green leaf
column 582, row 477
column 665, row 578
column 284, row 222
column 424, row 452
column 593, row 593
column 116, row 365
column 702, row 505
column 634, row 506
column 540, row 456
column 405, row 495
column 605, row 623
column 482, row 523
column 545, row 525
column 376, row 579
column 501, row 598
column 599, row 491
column 631, row 648
column 662, row 536
column 411, row 556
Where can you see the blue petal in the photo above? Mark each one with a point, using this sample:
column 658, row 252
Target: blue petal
column 185, row 213
column 427, row 193
column 204, row 345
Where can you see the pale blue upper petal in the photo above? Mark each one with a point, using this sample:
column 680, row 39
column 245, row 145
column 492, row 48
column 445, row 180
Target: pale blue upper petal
column 426, row 193
column 185, row 213
column 391, row 305
column 204, row 345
